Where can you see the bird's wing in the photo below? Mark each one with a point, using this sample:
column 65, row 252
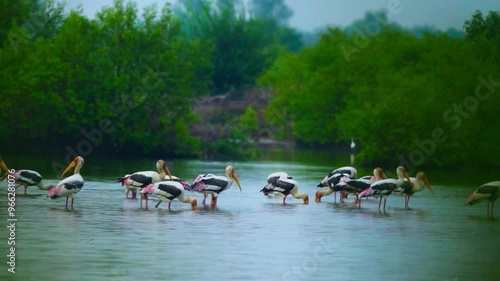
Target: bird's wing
column 140, row 180
column 29, row 177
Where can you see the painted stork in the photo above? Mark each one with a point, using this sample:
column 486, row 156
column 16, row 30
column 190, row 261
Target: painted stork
column 276, row 175
column 355, row 186
column 419, row 182
column 184, row 183
column 332, row 183
column 351, row 171
column 24, row 177
column 489, row 192
column 167, row 191
column 214, row 185
column 71, row 185
column 138, row 180
column 384, row 188
column 338, row 183
column 281, row 186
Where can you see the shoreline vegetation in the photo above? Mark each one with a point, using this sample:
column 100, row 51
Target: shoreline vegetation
column 218, row 80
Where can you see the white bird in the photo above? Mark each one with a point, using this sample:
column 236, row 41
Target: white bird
column 214, row 185
column 276, row 175
column 384, row 188
column 23, row 177
column 353, row 145
column 184, row 183
column 167, row 191
column 419, row 182
column 351, row 171
column 283, row 187
column 489, row 192
column 138, row 180
column 71, row 185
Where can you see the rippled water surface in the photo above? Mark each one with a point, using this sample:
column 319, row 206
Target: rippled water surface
column 250, row 236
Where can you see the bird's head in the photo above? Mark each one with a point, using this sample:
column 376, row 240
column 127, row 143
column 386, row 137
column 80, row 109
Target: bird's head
column 3, row 166
column 379, row 173
column 231, row 173
column 78, row 160
column 306, row 199
column 317, row 196
column 161, row 165
column 194, row 203
column 402, row 172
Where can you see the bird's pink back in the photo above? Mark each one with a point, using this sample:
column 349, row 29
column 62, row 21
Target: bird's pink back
column 148, row 189
column 53, row 191
column 366, row 192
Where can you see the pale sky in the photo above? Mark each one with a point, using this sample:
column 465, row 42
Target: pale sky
column 311, row 14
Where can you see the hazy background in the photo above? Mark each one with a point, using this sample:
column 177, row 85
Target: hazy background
column 311, row 14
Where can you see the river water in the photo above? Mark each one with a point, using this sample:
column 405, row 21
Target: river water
column 250, row 236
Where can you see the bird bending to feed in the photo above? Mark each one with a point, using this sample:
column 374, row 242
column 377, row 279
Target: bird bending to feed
column 23, row 177
column 276, row 175
column 351, row 171
column 489, row 192
column 332, row 183
column 419, row 182
column 138, row 180
column 384, row 188
column 71, row 185
column 167, row 191
column 345, row 184
column 283, row 187
column 184, row 183
column 214, row 185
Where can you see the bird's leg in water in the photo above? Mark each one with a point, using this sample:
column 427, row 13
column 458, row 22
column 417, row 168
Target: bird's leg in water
column 284, row 198
column 169, row 205
column 379, row 202
column 25, row 188
column 158, row 204
column 205, row 195
column 335, row 197
column 385, row 201
column 214, row 201
column 66, row 202
column 72, row 203
column 134, row 194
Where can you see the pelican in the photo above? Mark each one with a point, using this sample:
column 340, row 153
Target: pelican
column 71, row 185
column 283, row 187
column 384, row 188
column 351, row 171
column 419, row 182
column 276, row 175
column 138, row 180
column 24, row 177
column 488, row 191
column 167, row 191
column 214, row 185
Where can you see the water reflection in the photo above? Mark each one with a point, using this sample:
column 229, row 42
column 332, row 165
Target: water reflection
column 250, row 236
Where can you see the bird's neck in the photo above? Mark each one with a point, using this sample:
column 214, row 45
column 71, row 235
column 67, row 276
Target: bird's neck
column 44, row 187
column 187, row 199
column 418, row 184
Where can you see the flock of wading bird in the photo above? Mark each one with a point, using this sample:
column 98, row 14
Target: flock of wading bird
column 165, row 187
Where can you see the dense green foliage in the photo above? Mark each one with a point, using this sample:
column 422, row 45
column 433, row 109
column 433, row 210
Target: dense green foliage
column 403, row 98
column 127, row 81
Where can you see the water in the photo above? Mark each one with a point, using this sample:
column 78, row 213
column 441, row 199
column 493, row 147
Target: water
column 250, row 236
